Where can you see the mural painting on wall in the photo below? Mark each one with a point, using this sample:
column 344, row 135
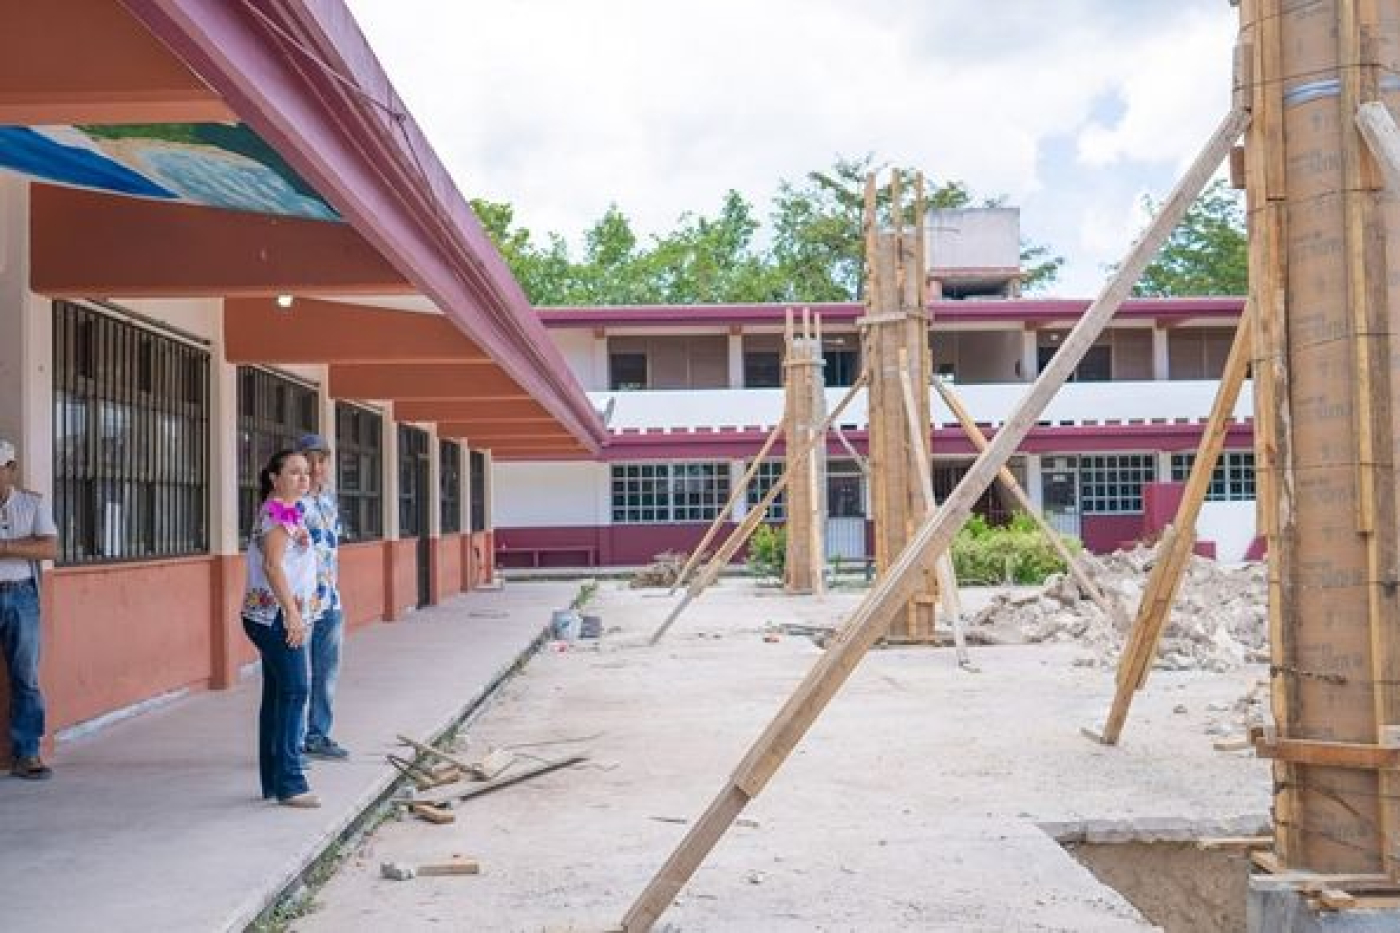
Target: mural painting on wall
column 223, row 165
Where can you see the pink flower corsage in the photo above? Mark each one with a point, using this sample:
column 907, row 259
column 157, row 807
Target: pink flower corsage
column 289, row 517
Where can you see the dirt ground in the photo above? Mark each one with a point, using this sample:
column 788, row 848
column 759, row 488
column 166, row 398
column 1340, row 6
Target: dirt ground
column 926, row 797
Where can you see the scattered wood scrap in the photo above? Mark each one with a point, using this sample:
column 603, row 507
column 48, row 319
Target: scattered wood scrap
column 478, row 789
column 432, row 813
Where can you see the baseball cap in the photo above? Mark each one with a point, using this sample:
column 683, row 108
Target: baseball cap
column 7, row 452
column 310, row 442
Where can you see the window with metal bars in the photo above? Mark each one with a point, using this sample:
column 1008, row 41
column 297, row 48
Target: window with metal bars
column 1111, row 484
column 359, row 442
column 1231, row 481
column 769, row 471
column 274, row 413
column 477, row 489
column 657, row 493
column 131, row 440
column 450, row 486
column 413, row 452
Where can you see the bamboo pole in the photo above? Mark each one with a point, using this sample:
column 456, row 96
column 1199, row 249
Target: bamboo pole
column 734, row 495
column 1174, row 552
column 751, row 521
column 891, row 591
column 918, row 451
column 1111, row 607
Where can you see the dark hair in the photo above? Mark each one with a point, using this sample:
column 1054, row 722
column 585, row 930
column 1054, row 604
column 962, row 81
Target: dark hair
column 274, row 466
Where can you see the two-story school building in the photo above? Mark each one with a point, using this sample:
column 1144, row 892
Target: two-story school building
column 690, row 393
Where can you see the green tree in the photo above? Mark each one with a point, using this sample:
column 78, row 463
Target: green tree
column 817, row 251
column 1207, row 253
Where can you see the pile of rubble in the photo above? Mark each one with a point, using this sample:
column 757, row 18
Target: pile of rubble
column 1219, row 621
column 663, row 570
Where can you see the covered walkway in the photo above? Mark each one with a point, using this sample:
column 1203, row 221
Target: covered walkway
column 155, row 824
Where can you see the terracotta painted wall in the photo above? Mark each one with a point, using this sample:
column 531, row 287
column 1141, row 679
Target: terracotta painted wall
column 482, row 558
column 448, row 576
column 404, row 570
column 362, row 582
column 122, row 633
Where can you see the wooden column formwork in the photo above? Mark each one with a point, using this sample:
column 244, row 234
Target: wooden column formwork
column 894, row 338
column 1324, row 353
column 806, row 494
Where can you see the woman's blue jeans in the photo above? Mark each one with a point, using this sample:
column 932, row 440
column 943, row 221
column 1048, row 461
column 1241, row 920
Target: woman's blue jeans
column 282, row 717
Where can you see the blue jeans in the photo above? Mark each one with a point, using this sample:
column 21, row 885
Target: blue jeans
column 282, row 715
column 19, row 639
column 326, row 637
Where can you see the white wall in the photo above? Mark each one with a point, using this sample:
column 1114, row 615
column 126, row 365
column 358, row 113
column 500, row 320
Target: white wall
column 1230, row 525
column 577, row 347
column 550, row 494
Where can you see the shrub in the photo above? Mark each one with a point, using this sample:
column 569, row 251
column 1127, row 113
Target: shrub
column 985, row 554
column 768, row 551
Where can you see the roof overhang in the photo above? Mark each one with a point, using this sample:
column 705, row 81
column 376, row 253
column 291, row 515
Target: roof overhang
column 303, row 78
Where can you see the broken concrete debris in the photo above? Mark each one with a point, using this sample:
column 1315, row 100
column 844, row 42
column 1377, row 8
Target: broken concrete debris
column 1218, row 622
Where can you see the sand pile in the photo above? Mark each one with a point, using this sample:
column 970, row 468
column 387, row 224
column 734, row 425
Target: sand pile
column 1219, row 622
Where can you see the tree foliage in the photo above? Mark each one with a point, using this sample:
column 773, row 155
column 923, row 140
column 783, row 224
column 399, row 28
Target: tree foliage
column 1207, row 253
column 816, row 251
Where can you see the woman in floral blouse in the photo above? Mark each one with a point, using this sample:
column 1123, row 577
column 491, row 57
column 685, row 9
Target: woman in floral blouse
column 277, row 607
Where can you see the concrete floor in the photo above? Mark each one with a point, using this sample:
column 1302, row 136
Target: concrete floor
column 156, row 824
column 926, row 798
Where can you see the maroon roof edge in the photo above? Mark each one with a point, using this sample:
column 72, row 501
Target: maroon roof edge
column 304, row 77
column 1032, row 310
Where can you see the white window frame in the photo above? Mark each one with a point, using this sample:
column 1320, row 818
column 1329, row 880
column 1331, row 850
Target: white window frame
column 1231, row 481
column 768, row 473
column 1106, row 481
column 683, row 492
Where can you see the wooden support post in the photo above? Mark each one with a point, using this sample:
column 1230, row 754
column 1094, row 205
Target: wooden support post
column 918, row 449
column 734, row 495
column 1110, row 607
column 894, row 321
column 893, row 590
column 1174, row 552
column 805, row 563
column 751, row 521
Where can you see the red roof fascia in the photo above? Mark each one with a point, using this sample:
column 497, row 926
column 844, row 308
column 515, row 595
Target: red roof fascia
column 1028, row 310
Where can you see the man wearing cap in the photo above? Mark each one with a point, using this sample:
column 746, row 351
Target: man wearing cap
column 322, row 514
column 27, row 536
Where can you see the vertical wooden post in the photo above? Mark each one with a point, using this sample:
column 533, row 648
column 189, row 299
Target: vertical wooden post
column 806, row 500
column 893, row 590
column 894, row 321
column 1326, row 428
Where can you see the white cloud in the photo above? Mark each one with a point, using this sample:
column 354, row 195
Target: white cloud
column 563, row 107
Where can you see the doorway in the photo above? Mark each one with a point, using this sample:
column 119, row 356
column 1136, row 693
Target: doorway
column 414, row 502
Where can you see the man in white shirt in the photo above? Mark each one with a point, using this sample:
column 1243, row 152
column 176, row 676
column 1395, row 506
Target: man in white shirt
column 27, row 535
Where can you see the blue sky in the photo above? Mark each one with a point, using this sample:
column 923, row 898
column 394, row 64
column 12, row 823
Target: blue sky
column 1073, row 109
